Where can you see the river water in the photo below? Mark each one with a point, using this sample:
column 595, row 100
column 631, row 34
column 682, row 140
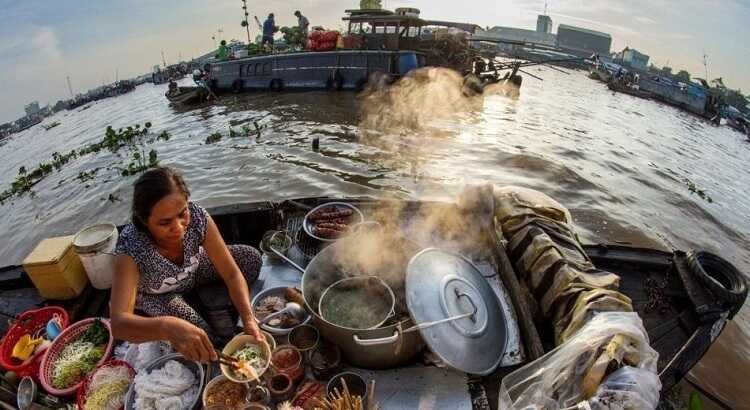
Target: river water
column 620, row 164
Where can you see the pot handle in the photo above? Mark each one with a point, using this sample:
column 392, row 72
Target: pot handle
column 376, row 342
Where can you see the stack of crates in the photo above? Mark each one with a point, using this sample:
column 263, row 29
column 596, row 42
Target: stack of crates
column 55, row 269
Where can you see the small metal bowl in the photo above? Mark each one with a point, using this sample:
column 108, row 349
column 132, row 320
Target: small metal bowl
column 304, row 338
column 308, row 225
column 216, row 380
column 266, row 242
column 354, row 383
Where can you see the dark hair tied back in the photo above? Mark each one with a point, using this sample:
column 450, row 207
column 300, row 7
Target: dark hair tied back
column 150, row 188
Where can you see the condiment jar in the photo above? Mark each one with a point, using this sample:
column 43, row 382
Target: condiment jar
column 287, row 359
column 281, row 387
column 325, row 360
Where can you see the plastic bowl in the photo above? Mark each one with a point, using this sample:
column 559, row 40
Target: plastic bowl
column 276, row 291
column 68, row 336
column 196, row 367
column 235, row 344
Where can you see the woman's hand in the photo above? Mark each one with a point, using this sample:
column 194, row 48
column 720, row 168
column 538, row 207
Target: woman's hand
column 252, row 329
column 190, row 340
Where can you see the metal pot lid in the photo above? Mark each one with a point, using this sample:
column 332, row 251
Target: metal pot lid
column 93, row 237
column 441, row 285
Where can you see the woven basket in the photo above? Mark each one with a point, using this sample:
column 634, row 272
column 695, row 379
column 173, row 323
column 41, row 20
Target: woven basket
column 69, row 335
column 83, row 390
column 28, row 322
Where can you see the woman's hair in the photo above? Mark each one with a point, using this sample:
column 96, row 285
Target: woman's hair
column 150, row 188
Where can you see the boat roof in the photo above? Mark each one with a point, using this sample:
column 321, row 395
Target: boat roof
column 382, row 16
column 470, row 27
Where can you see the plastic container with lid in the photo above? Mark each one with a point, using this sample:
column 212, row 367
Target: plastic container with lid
column 95, row 245
column 55, row 269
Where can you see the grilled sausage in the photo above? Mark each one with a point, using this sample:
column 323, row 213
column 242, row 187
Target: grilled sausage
column 326, row 214
column 333, row 226
column 327, row 232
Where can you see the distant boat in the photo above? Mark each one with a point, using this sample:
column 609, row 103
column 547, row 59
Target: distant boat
column 50, row 126
column 186, row 95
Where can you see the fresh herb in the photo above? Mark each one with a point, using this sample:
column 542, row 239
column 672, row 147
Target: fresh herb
column 96, row 334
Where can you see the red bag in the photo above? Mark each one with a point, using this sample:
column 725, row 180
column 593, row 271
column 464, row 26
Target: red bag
column 315, row 35
column 331, row 36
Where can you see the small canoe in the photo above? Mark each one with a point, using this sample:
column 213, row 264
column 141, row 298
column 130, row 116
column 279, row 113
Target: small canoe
column 187, row 95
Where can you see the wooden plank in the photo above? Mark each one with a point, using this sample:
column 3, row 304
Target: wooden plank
column 531, row 339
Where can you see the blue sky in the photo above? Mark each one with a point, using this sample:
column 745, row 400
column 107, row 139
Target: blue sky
column 45, row 41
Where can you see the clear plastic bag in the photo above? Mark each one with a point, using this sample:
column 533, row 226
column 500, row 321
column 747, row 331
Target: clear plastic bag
column 563, row 378
column 628, row 388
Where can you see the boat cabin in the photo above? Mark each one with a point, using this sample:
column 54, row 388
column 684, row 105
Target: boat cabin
column 384, row 29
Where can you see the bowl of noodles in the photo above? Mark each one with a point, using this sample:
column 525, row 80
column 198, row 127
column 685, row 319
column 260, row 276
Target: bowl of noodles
column 254, row 357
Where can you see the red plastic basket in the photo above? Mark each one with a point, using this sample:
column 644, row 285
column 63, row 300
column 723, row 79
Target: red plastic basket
column 67, row 336
column 84, row 388
column 28, row 322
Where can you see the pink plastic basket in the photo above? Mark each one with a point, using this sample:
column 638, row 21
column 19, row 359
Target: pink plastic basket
column 83, row 389
column 69, row 335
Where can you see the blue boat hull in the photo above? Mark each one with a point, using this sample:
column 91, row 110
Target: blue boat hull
column 340, row 69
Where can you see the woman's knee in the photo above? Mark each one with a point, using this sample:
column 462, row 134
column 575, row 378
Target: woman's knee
column 248, row 259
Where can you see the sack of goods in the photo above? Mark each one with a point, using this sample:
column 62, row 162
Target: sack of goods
column 603, row 357
column 322, row 40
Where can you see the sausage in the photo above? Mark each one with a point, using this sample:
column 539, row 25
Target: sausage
column 327, row 233
column 325, row 214
column 333, row 226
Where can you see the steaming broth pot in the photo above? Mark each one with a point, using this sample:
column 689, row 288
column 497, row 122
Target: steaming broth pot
column 367, row 254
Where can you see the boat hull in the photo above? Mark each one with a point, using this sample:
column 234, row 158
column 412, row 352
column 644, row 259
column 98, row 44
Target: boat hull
column 341, row 69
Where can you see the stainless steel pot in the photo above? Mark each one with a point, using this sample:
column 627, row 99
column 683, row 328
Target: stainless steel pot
column 387, row 257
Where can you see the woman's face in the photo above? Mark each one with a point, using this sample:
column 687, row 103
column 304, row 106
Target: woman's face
column 169, row 219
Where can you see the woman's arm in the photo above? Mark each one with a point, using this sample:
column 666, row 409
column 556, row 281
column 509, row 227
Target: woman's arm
column 227, row 268
column 185, row 337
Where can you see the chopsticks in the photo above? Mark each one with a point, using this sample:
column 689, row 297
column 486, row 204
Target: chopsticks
column 226, row 359
column 236, row 363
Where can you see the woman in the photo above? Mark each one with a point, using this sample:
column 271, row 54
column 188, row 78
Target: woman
column 172, row 246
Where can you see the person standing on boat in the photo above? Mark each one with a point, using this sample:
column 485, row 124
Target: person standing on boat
column 303, row 23
column 223, row 54
column 269, row 27
column 172, row 247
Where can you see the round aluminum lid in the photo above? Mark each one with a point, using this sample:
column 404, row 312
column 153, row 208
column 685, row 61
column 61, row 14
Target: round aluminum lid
column 440, row 285
column 93, row 237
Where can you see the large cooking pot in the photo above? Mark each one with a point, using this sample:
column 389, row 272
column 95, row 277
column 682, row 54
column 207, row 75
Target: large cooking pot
column 370, row 254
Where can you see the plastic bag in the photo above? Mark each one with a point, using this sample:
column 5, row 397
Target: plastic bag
column 558, row 380
column 628, row 388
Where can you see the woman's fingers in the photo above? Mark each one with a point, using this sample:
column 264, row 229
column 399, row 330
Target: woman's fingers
column 208, row 347
column 189, row 352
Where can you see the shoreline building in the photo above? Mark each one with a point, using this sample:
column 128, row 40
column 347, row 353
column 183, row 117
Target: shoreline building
column 583, row 42
column 544, row 24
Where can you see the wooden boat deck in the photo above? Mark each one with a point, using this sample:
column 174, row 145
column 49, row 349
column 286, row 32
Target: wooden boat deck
column 681, row 317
